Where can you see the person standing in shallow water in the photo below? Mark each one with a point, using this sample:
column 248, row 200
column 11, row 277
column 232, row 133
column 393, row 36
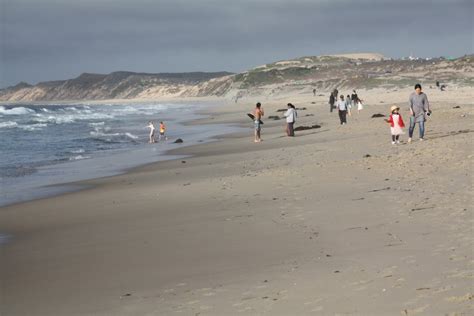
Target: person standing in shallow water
column 342, row 107
column 419, row 109
column 258, row 114
column 151, row 126
column 162, row 132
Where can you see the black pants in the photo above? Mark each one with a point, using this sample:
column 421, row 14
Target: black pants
column 331, row 107
column 289, row 129
column 342, row 116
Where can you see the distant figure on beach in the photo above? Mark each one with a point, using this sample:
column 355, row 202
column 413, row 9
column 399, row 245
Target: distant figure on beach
column 341, row 106
column 290, row 115
column 335, row 92
column 332, row 100
column 258, row 114
column 151, row 126
column 360, row 106
column 162, row 132
column 354, row 97
column 349, row 105
column 396, row 124
column 314, row 92
column 419, row 110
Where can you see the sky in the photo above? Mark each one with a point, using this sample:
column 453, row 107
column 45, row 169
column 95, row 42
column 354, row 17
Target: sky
column 42, row 40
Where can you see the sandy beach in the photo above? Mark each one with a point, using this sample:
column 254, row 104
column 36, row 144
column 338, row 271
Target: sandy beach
column 335, row 221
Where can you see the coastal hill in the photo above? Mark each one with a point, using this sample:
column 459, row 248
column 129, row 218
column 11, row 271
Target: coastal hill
column 116, row 85
column 300, row 75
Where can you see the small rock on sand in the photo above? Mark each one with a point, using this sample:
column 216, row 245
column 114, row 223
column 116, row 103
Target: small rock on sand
column 178, row 141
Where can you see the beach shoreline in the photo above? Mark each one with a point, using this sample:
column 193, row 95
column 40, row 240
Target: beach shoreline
column 335, row 220
column 73, row 182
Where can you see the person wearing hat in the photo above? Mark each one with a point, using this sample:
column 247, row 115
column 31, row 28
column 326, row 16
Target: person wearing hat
column 396, row 124
column 419, row 109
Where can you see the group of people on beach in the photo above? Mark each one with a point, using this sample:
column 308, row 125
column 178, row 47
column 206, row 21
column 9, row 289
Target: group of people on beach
column 344, row 105
column 151, row 126
column 290, row 116
column 419, row 111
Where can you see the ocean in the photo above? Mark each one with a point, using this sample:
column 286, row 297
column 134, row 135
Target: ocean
column 45, row 147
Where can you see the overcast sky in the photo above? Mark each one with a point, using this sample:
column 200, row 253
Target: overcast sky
column 59, row 39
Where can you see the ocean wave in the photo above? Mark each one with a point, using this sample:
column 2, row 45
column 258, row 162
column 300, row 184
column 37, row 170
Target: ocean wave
column 33, row 127
column 77, row 151
column 95, row 124
column 98, row 133
column 15, row 111
column 79, row 157
column 8, row 124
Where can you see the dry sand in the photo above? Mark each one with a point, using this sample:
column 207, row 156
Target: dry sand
column 336, row 221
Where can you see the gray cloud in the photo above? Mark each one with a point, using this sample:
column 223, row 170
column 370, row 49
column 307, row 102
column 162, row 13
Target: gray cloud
column 47, row 39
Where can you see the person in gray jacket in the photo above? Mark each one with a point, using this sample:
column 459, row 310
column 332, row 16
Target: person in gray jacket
column 419, row 110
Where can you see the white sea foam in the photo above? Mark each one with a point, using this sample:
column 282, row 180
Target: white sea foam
column 98, row 133
column 131, row 135
column 32, row 127
column 8, row 124
column 78, row 157
column 77, row 151
column 15, row 111
column 95, row 124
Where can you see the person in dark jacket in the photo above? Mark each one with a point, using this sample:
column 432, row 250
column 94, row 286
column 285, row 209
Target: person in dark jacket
column 332, row 100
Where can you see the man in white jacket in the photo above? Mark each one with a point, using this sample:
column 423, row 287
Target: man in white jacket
column 290, row 115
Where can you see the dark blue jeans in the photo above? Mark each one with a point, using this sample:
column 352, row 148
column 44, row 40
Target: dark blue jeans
column 421, row 126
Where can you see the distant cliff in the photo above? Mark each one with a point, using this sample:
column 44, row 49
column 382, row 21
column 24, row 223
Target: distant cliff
column 300, row 75
column 117, row 85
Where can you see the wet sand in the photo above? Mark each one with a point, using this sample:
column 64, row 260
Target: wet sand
column 336, row 221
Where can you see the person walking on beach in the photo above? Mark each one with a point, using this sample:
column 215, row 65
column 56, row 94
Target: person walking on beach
column 354, row 97
column 332, row 100
column 349, row 104
column 419, row 110
column 151, row 126
column 314, row 92
column 162, row 132
column 258, row 114
column 341, row 106
column 396, row 124
column 290, row 115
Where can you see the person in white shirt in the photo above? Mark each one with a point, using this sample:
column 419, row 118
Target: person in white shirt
column 342, row 107
column 290, row 115
column 151, row 126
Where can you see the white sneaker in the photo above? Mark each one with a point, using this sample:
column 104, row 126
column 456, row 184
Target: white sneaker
column 409, row 140
column 393, row 143
column 421, row 139
column 398, row 142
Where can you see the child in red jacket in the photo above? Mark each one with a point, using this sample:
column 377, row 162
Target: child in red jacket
column 396, row 124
